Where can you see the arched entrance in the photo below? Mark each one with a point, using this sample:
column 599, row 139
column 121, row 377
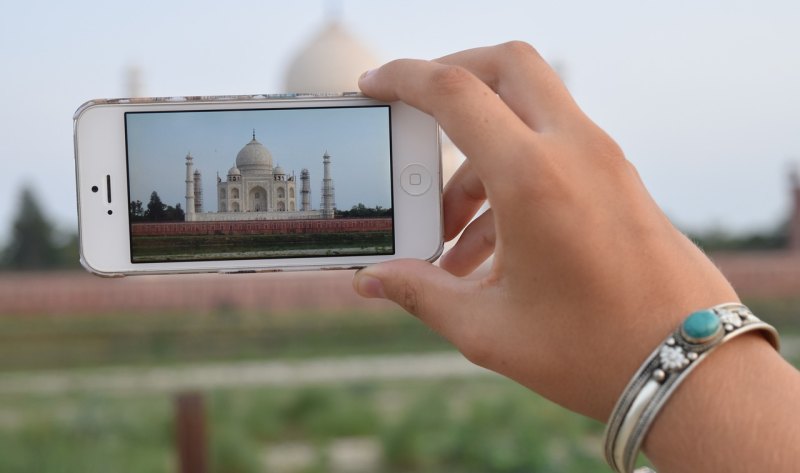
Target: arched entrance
column 258, row 199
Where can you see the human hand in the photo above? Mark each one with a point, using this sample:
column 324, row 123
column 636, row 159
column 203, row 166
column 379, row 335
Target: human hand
column 588, row 274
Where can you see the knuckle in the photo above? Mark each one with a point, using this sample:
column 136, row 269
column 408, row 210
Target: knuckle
column 519, row 50
column 488, row 238
column 608, row 149
column 626, row 168
column 410, row 297
column 451, row 80
column 607, row 152
column 394, row 64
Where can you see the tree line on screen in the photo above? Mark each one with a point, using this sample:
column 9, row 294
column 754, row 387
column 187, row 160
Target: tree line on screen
column 156, row 211
column 34, row 242
column 362, row 211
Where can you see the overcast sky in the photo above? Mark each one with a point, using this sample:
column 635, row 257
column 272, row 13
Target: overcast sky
column 704, row 97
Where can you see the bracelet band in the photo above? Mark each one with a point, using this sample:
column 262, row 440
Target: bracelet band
column 663, row 371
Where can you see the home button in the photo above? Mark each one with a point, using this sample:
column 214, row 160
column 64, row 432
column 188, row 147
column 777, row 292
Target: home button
column 415, row 179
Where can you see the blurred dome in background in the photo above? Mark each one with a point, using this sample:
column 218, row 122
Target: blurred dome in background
column 330, row 62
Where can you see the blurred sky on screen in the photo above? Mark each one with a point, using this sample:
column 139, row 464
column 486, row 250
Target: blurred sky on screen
column 704, row 97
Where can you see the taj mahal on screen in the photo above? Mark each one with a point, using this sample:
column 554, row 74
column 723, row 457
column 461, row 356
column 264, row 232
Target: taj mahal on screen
column 255, row 190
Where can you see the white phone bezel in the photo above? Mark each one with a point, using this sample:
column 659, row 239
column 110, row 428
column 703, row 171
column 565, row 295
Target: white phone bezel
column 99, row 134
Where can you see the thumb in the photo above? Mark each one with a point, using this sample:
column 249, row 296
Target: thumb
column 419, row 287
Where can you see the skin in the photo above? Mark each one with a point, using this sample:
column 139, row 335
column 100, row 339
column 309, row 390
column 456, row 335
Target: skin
column 588, row 274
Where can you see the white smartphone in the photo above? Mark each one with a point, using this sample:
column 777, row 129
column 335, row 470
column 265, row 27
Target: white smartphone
column 255, row 183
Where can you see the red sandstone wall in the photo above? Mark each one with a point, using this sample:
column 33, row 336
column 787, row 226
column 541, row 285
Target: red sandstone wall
column 81, row 293
column 249, row 227
column 753, row 274
column 761, row 274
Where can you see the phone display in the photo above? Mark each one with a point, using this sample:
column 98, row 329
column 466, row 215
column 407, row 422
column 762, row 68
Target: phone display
column 263, row 183
column 255, row 183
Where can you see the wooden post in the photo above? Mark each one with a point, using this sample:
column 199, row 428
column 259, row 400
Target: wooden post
column 190, row 433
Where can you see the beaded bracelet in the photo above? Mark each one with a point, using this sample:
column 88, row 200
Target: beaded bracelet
column 650, row 388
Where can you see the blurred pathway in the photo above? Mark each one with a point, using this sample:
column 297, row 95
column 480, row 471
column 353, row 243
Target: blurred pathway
column 243, row 373
column 288, row 373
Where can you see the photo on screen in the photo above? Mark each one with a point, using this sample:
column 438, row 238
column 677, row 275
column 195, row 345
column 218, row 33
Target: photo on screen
column 254, row 184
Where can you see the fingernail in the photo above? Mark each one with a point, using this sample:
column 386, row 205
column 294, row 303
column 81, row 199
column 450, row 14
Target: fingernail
column 365, row 74
column 368, row 286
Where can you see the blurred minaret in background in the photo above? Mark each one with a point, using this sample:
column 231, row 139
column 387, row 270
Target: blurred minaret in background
column 794, row 217
column 133, row 81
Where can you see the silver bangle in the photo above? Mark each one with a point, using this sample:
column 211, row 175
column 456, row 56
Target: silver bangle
column 664, row 370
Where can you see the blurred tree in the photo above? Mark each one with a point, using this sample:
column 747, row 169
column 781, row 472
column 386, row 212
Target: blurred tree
column 69, row 251
column 32, row 244
column 718, row 239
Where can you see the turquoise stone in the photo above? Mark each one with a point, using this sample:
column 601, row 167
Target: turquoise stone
column 701, row 325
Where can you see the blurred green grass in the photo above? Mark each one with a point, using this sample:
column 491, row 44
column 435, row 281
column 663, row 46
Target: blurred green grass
column 61, row 342
column 783, row 313
column 33, row 342
column 486, row 424
column 467, row 425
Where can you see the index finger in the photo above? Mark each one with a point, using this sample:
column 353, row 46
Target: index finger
column 523, row 79
column 489, row 133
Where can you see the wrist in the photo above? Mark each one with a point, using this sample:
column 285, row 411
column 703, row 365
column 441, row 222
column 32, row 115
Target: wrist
column 665, row 301
column 729, row 415
column 667, row 367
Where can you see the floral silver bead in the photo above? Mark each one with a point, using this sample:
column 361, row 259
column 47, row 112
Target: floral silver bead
column 672, row 358
column 731, row 318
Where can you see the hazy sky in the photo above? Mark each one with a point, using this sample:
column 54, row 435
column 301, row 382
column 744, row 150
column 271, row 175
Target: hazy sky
column 704, row 97
column 357, row 139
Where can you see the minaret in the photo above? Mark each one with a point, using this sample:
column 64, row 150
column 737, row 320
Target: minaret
column 134, row 81
column 198, row 192
column 305, row 191
column 794, row 217
column 328, row 201
column 189, row 189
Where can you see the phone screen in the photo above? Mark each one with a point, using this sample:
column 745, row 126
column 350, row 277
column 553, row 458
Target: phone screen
column 252, row 184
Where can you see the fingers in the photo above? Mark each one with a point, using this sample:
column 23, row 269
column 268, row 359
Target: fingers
column 427, row 291
column 471, row 114
column 516, row 71
column 474, row 247
column 463, row 196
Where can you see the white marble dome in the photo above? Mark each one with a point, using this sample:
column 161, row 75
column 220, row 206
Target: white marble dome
column 234, row 171
column 254, row 157
column 330, row 62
